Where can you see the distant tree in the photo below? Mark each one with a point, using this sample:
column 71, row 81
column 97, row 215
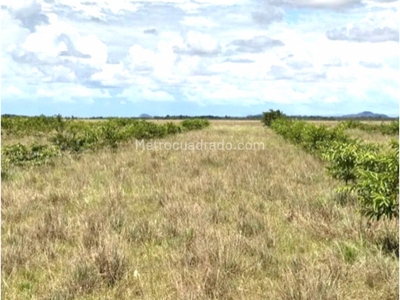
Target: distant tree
column 272, row 115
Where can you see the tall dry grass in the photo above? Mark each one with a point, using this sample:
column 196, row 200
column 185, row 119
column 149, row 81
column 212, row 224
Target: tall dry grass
column 191, row 225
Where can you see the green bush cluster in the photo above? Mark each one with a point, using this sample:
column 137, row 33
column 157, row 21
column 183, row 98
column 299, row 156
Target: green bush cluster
column 378, row 183
column 386, row 128
column 368, row 170
column 21, row 155
column 271, row 115
column 194, row 124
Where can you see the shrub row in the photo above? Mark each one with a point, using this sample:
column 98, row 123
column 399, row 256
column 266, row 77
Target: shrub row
column 310, row 137
column 386, row 128
column 368, row 170
column 79, row 136
column 21, row 126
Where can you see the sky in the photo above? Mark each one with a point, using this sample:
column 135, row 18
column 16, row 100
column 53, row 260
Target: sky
column 204, row 57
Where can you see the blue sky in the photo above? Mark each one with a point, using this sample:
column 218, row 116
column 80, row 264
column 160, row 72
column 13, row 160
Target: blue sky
column 237, row 57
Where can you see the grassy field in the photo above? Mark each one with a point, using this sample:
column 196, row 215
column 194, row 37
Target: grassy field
column 371, row 137
column 133, row 224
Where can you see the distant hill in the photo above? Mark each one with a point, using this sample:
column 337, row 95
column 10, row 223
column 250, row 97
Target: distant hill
column 145, row 116
column 366, row 114
column 361, row 115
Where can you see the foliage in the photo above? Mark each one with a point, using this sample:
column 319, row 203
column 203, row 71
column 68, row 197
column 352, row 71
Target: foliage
column 386, row 128
column 309, row 136
column 378, row 183
column 78, row 136
column 22, row 155
column 194, row 124
column 345, row 158
column 172, row 128
column 21, row 126
column 270, row 116
column 366, row 169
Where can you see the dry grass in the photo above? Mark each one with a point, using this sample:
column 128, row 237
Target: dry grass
column 371, row 137
column 191, row 225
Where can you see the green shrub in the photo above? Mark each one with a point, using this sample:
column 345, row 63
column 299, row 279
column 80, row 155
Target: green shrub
column 21, row 155
column 269, row 117
column 195, row 124
column 173, row 128
column 76, row 140
column 377, row 183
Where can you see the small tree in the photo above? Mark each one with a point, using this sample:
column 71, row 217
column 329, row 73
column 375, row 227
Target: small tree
column 272, row 115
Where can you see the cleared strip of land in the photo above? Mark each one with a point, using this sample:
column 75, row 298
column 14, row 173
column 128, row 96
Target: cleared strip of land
column 135, row 224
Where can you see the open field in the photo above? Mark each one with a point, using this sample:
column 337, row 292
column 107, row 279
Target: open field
column 371, row 137
column 133, row 224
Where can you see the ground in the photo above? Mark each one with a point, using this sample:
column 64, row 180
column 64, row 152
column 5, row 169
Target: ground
column 133, row 224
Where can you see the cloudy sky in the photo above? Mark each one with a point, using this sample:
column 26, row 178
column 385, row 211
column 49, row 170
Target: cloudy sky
column 220, row 57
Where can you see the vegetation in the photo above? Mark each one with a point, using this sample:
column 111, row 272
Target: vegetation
column 193, row 124
column 386, row 128
column 367, row 169
column 21, row 155
column 122, row 223
column 272, row 115
column 78, row 136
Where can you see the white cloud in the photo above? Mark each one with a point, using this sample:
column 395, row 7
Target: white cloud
column 331, row 99
column 220, row 92
column 159, row 62
column 60, row 41
column 330, row 4
column 13, row 91
column 70, row 94
column 145, row 94
column 197, row 43
column 198, row 22
column 56, row 52
column 113, row 75
column 140, row 57
column 227, row 52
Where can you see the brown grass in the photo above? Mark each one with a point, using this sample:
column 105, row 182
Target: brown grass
column 371, row 137
column 138, row 224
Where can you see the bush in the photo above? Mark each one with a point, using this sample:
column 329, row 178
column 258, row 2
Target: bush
column 378, row 184
column 173, row 128
column 195, row 124
column 269, row 117
column 21, row 155
column 76, row 140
